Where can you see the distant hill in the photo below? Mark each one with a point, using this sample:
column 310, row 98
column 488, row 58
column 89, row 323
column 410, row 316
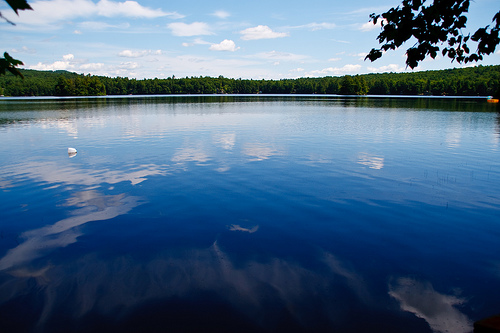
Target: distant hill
column 472, row 81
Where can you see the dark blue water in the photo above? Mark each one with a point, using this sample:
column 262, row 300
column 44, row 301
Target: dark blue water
column 231, row 213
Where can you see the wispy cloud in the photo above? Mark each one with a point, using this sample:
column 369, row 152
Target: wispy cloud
column 261, row 32
column 389, row 68
column 93, row 25
column 222, row 14
column 24, row 49
column 367, row 10
column 69, row 63
column 275, row 55
column 48, row 12
column 360, row 55
column 347, row 69
column 225, row 45
column 369, row 26
column 138, row 54
column 196, row 41
column 130, row 9
column 92, row 66
column 315, row 26
column 192, row 29
column 341, row 41
column 129, row 65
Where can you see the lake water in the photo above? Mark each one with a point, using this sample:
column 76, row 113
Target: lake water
column 249, row 214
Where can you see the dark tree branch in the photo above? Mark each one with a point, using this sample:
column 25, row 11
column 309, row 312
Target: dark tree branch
column 432, row 26
column 7, row 63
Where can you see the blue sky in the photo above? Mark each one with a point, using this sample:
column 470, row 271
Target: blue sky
column 236, row 39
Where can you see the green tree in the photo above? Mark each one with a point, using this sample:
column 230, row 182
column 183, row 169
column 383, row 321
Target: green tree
column 7, row 63
column 432, row 24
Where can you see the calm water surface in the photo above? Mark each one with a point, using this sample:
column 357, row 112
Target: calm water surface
column 232, row 213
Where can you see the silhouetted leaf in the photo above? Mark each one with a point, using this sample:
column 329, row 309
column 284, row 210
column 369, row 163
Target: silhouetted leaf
column 19, row 5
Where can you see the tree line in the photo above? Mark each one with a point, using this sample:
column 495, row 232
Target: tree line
column 473, row 81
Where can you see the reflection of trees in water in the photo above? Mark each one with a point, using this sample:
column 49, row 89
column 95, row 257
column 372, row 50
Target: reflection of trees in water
column 85, row 103
column 418, row 103
column 498, row 122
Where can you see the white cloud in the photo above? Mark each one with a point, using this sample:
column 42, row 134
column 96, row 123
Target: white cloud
column 129, row 65
column 361, row 55
column 388, row 68
column 48, row 12
column 138, row 54
column 193, row 29
column 261, row 32
column 55, row 66
column 93, row 25
column 341, row 41
column 225, row 45
column 132, row 54
column 222, row 14
column 129, row 9
column 297, row 70
column 334, row 59
column 92, row 66
column 69, row 63
column 274, row 55
column 347, row 69
column 68, row 57
column 77, row 32
column 316, row 26
column 24, row 49
column 196, row 41
column 369, row 26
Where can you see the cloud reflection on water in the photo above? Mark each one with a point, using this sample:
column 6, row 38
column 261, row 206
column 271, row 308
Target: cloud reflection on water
column 4, row 183
column 225, row 140
column 237, row 227
column 55, row 173
column 43, row 240
column 371, row 161
column 259, row 151
column 262, row 291
column 437, row 309
column 190, row 154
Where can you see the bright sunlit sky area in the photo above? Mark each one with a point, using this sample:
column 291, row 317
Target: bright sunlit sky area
column 236, row 39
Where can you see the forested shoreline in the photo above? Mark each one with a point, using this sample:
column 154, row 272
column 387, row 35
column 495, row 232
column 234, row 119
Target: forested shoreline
column 473, row 81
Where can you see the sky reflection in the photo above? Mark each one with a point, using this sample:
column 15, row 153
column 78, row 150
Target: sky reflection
column 280, row 215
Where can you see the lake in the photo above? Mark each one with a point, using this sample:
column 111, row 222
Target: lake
column 249, row 214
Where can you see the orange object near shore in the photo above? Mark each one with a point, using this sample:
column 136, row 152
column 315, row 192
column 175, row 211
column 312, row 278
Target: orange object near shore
column 492, row 100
